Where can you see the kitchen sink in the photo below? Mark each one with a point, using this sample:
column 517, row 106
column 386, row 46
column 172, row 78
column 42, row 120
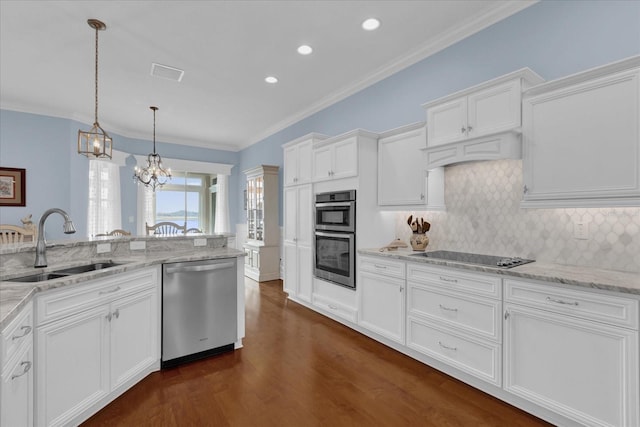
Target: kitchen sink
column 64, row 272
column 85, row 268
column 40, row 277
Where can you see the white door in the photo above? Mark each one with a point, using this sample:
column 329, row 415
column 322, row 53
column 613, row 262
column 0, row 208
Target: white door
column 584, row 370
column 16, row 392
column 322, row 163
column 134, row 335
column 345, row 158
column 494, row 110
column 447, row 122
column 290, row 268
column 304, row 163
column 382, row 305
column 290, row 215
column 305, row 272
column 290, row 165
column 73, row 366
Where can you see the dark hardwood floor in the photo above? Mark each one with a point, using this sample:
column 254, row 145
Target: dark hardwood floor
column 298, row 368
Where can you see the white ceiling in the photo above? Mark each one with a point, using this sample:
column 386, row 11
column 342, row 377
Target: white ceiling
column 226, row 49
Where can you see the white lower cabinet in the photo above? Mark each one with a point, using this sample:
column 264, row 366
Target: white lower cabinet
column 17, row 367
column 563, row 357
column 335, row 299
column 381, row 307
column 94, row 341
column 298, row 239
column 455, row 317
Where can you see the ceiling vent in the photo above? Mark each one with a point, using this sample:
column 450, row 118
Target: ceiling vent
column 166, row 72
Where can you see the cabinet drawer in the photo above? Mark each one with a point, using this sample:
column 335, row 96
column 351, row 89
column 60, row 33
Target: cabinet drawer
column 583, row 304
column 474, row 356
column 475, row 315
column 64, row 302
column 340, row 310
column 449, row 278
column 19, row 331
column 383, row 266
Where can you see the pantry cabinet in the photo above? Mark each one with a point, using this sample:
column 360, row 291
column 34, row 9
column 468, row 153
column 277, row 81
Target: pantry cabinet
column 93, row 342
column 572, row 352
column 298, row 241
column 382, row 297
column 297, row 159
column 485, row 109
column 16, row 371
column 582, row 139
column 403, row 179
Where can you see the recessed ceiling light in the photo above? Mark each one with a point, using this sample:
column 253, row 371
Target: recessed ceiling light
column 371, row 24
column 271, row 79
column 305, row 49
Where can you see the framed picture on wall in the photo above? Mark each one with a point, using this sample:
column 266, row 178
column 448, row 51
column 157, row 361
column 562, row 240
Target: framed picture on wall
column 12, row 187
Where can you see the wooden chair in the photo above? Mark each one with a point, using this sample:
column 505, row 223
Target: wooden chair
column 117, row 232
column 15, row 234
column 165, row 227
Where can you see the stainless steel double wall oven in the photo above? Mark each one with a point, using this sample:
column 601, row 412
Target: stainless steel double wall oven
column 335, row 237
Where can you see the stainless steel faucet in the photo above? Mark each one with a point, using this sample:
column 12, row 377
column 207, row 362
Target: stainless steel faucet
column 41, row 246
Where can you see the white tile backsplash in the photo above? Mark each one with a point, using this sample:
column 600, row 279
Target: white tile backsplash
column 484, row 216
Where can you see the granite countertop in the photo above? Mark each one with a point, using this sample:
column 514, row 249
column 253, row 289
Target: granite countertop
column 15, row 295
column 593, row 278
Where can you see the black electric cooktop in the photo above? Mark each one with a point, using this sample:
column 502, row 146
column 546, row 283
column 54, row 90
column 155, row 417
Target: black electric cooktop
column 478, row 259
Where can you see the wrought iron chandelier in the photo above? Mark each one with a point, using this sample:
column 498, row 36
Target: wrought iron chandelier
column 154, row 175
column 96, row 142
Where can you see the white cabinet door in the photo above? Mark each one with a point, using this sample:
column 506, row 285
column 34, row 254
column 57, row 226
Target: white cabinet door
column 584, row 370
column 322, row 163
column 297, row 164
column 290, row 160
column 382, row 305
column 305, row 273
column 495, row 109
column 336, row 160
column 582, row 143
column 16, row 391
column 304, row 216
column 401, row 169
column 290, row 252
column 447, row 122
column 290, row 215
column 134, row 336
column 298, row 238
column 73, row 366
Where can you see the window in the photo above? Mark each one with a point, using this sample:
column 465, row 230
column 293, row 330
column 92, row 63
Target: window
column 104, row 212
column 186, row 199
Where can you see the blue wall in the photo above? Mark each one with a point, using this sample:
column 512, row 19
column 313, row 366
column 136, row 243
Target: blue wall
column 554, row 38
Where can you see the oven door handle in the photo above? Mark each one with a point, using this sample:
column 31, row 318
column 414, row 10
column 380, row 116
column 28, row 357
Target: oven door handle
column 332, row 204
column 338, row 235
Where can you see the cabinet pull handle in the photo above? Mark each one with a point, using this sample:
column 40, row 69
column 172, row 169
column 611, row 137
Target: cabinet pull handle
column 447, row 347
column 559, row 301
column 444, row 279
column 116, row 313
column 328, row 173
column 332, row 307
column 469, row 128
column 463, row 129
column 116, row 289
column 27, row 368
column 525, row 189
column 26, row 330
column 380, row 266
column 506, row 314
column 422, row 197
column 108, row 317
column 447, row 308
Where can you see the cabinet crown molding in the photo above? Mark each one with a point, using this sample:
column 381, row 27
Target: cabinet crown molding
column 313, row 137
column 356, row 132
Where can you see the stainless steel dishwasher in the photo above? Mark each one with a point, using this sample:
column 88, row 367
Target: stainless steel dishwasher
column 199, row 309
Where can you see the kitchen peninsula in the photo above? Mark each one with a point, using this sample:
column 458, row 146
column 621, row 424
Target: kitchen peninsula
column 101, row 326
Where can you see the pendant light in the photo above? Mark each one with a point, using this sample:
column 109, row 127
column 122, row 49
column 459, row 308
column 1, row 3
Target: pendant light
column 154, row 175
column 95, row 142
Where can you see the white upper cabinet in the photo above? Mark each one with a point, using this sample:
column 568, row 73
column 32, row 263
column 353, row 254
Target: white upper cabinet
column 297, row 159
column 336, row 158
column 479, row 123
column 582, row 140
column 402, row 175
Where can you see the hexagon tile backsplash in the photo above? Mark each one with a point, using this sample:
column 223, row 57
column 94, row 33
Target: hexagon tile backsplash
column 484, row 216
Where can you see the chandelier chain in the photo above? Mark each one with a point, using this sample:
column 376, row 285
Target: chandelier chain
column 96, row 110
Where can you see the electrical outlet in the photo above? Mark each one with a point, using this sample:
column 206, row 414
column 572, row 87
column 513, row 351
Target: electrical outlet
column 137, row 245
column 581, row 230
column 199, row 242
column 102, row 248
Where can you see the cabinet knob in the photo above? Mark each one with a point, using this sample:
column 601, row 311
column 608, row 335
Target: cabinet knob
column 463, row 129
column 328, row 173
column 108, row 317
column 469, row 128
column 525, row 189
column 422, row 197
column 116, row 313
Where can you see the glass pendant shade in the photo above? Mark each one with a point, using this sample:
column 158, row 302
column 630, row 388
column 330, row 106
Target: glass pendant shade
column 95, row 142
column 154, row 175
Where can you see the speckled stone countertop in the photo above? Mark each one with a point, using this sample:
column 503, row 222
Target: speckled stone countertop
column 15, row 295
column 610, row 280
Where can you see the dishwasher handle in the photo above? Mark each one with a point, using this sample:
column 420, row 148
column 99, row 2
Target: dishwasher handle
column 192, row 268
